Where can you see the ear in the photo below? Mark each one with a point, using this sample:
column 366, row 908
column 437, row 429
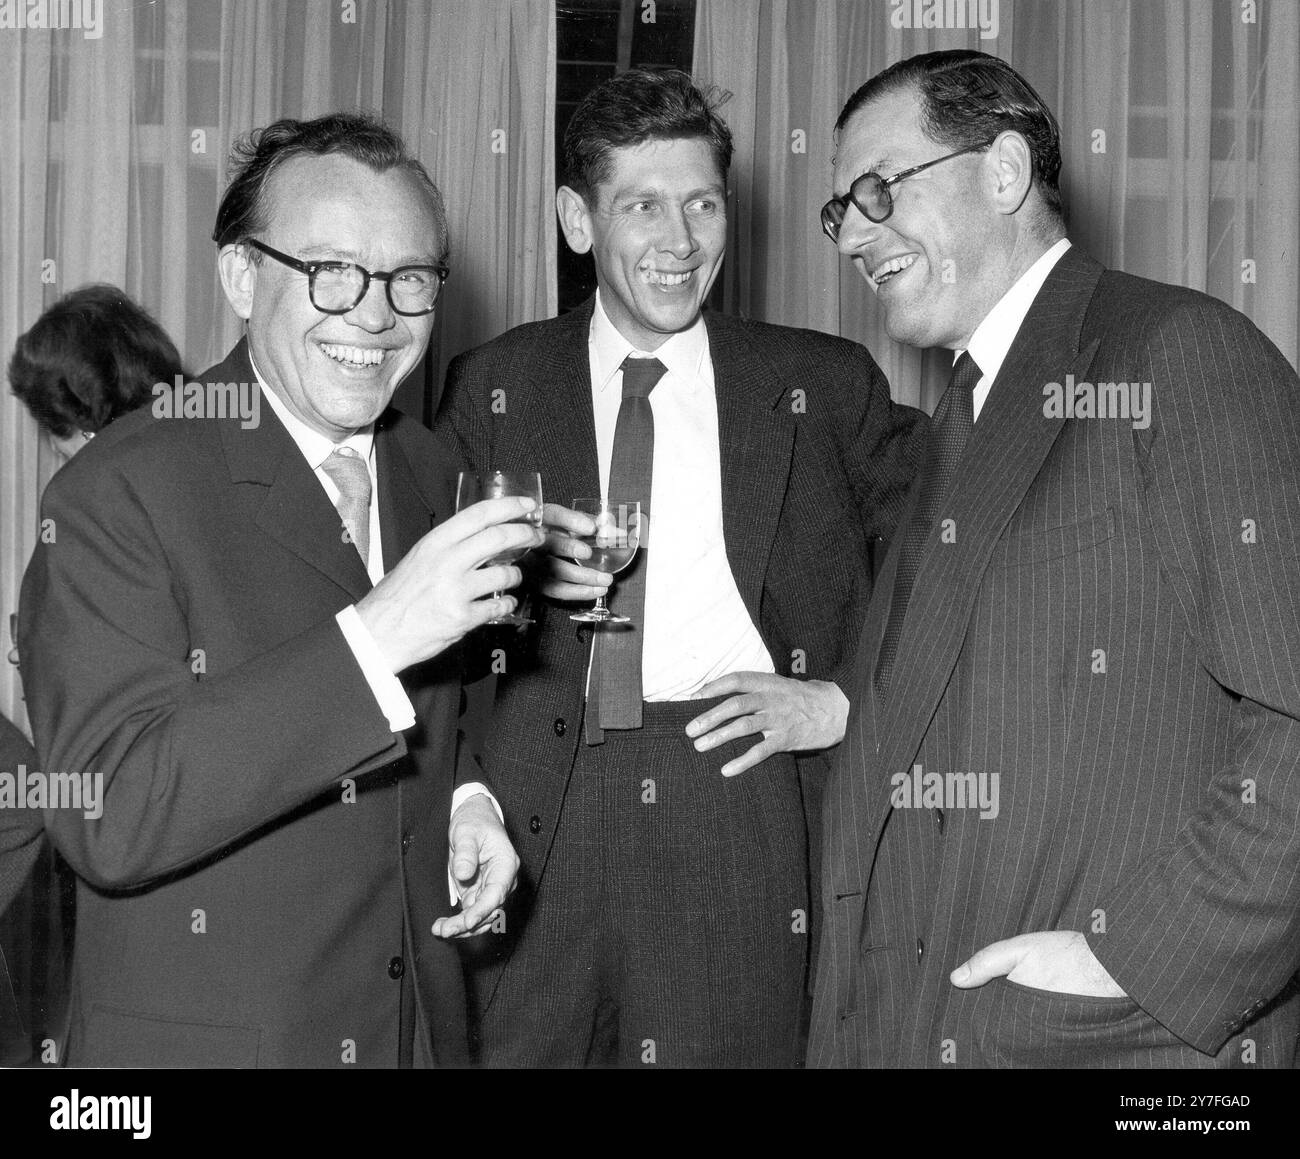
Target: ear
column 238, row 278
column 575, row 219
column 1011, row 166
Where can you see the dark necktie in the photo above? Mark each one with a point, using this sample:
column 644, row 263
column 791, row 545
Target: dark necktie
column 954, row 418
column 614, row 699
column 352, row 477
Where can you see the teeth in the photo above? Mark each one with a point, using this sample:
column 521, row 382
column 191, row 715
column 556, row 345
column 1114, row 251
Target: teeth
column 890, row 268
column 354, row 355
column 669, row 279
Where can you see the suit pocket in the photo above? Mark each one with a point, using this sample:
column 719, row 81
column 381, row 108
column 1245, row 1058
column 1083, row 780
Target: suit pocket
column 117, row 1039
column 1020, row 1026
column 1021, row 548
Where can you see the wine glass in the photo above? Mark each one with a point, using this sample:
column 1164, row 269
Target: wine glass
column 617, row 536
column 474, row 487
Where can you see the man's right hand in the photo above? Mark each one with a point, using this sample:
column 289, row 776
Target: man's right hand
column 434, row 596
column 562, row 578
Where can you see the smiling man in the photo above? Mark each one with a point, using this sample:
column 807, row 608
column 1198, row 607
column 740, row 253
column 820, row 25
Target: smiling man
column 1089, row 611
column 650, row 768
column 248, row 633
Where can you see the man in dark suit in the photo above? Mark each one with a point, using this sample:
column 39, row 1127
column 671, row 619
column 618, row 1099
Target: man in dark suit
column 211, row 632
column 1064, row 825
column 665, row 915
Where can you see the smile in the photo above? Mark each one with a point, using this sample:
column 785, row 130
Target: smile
column 359, row 356
column 664, row 278
column 888, row 269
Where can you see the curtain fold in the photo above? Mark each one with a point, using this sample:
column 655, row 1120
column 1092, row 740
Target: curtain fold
column 1180, row 131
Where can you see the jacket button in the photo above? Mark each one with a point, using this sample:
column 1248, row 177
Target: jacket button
column 406, row 842
column 396, row 968
column 938, row 819
column 534, row 824
column 560, row 727
column 920, row 949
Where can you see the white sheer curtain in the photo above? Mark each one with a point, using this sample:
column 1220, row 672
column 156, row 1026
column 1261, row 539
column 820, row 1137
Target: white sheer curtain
column 115, row 152
column 1196, row 179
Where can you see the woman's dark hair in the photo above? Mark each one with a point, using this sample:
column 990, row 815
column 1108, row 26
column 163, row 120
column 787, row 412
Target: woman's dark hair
column 255, row 156
column 92, row 356
column 968, row 98
column 634, row 107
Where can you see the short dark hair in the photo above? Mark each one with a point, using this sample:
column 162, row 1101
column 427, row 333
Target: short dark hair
column 968, row 98
column 634, row 107
column 256, row 155
column 91, row 357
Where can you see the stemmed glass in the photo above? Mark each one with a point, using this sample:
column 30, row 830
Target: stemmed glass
column 474, row 487
column 618, row 535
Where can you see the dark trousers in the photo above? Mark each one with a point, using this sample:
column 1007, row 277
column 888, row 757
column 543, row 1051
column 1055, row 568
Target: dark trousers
column 670, row 925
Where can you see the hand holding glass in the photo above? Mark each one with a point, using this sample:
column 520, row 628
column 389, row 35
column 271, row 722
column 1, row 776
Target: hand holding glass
column 471, row 488
column 617, row 536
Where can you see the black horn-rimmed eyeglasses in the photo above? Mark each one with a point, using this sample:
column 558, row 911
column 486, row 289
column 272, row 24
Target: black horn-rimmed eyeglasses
column 337, row 287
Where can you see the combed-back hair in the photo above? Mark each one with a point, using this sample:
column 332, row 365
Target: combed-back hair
column 968, row 98
column 634, row 107
column 256, row 155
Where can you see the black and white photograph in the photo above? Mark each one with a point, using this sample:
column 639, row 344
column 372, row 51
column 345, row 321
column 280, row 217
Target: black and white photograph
column 682, row 535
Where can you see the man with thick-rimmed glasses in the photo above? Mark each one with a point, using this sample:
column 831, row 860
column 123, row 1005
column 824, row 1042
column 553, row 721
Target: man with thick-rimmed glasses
column 1064, row 825
column 248, row 633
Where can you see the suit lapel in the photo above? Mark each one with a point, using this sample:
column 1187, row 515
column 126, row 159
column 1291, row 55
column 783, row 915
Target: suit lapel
column 407, row 509
column 554, row 414
column 755, row 439
column 1001, row 461
column 290, row 504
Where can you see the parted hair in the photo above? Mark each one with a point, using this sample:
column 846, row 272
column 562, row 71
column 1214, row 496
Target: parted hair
column 92, row 356
column 968, row 98
column 634, row 107
column 256, row 155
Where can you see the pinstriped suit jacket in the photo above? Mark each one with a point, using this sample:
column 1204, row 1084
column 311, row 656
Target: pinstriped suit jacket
column 1115, row 635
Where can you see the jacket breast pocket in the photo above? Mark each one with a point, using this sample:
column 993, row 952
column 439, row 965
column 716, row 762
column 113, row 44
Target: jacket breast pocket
column 1021, row 548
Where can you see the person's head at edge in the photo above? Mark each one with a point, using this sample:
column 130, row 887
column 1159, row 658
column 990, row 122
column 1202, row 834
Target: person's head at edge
column 341, row 188
column 963, row 231
column 92, row 356
column 646, row 158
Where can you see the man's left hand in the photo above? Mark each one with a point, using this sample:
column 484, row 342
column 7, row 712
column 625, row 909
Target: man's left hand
column 1057, row 960
column 483, row 864
column 792, row 715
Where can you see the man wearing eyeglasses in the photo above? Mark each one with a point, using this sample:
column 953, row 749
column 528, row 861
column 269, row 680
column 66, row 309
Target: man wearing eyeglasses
column 1063, row 828
column 245, row 635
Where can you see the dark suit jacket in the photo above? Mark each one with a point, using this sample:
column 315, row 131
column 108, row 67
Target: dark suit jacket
column 238, row 903
column 816, row 462
column 1114, row 634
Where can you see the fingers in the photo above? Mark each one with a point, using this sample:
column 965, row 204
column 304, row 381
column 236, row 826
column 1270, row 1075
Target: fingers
column 563, row 571
column 498, row 540
column 720, row 714
column 486, row 513
column 564, row 519
column 993, row 961
column 756, row 756
column 497, row 578
column 746, row 725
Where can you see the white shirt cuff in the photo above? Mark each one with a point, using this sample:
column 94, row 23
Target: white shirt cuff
column 389, row 693
column 462, row 794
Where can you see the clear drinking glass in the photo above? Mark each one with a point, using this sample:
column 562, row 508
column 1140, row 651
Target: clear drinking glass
column 618, row 535
column 473, row 487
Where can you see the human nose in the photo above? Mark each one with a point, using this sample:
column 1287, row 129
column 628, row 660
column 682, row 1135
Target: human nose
column 374, row 312
column 678, row 238
column 856, row 231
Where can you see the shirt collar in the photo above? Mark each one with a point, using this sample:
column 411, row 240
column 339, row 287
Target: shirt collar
column 993, row 337
column 683, row 354
column 315, row 447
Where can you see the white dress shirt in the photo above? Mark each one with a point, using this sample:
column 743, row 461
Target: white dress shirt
column 697, row 627
column 993, row 337
column 387, row 688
